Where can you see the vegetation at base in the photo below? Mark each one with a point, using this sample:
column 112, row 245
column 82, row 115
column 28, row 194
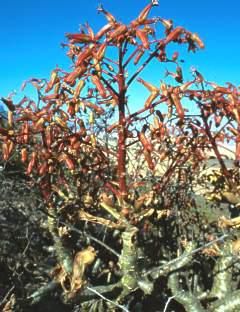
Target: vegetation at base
column 126, row 216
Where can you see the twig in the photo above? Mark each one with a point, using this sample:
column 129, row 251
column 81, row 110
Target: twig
column 104, row 245
column 108, row 300
column 92, row 238
column 6, row 296
column 167, row 303
column 184, row 255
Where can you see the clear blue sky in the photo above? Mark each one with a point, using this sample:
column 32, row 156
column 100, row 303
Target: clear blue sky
column 31, row 33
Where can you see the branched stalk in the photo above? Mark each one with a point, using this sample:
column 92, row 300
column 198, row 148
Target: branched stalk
column 223, row 273
column 215, row 149
column 230, row 303
column 128, row 260
column 181, row 261
column 174, row 264
column 62, row 253
column 186, row 298
column 42, row 292
column 121, row 130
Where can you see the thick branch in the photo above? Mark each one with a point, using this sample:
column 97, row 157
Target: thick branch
column 186, row 298
column 121, row 130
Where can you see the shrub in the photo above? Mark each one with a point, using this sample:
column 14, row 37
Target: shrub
column 121, row 187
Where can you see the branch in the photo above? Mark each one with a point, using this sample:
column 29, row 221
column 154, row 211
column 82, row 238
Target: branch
column 108, row 300
column 71, row 227
column 181, row 261
column 229, row 303
column 215, row 149
column 151, row 56
column 186, row 298
column 223, row 273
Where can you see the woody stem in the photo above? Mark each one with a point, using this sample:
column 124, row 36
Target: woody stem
column 121, row 130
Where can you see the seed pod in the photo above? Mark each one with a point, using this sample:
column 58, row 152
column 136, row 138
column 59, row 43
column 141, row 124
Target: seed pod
column 174, row 35
column 148, row 85
column 97, row 67
column 145, row 143
column 10, row 146
column 163, row 155
column 178, row 105
column 197, row 39
column 5, row 151
column 10, row 118
column 76, row 107
column 111, row 19
column 164, row 88
column 76, row 146
column 48, row 136
column 50, row 97
column 91, row 118
column 138, row 56
column 24, row 155
column 150, row 99
column 69, row 162
column 166, row 23
column 219, row 88
column 71, row 109
column 93, row 139
column 77, row 73
column 185, row 86
column 142, row 35
column 79, row 38
column 63, row 114
column 119, row 30
column 50, row 169
column 160, row 115
column 149, row 159
column 232, row 130
column 237, row 153
column 101, row 51
column 236, row 114
column 39, row 123
column 156, row 123
column 97, row 109
column 60, row 122
column 97, row 82
column 175, row 56
column 32, row 163
column 109, row 67
column 144, row 14
column 83, row 131
column 170, row 109
column 103, row 31
column 84, row 55
column 53, row 80
column 82, row 105
column 57, row 88
column 25, row 132
column 90, row 31
column 43, row 169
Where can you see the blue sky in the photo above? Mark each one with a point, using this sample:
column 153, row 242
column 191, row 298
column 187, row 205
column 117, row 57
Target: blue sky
column 31, row 33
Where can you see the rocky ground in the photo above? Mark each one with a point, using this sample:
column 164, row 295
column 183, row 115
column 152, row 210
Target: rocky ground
column 25, row 245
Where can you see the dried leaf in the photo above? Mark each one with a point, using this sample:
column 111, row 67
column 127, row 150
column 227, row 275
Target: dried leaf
column 81, row 261
column 9, row 306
